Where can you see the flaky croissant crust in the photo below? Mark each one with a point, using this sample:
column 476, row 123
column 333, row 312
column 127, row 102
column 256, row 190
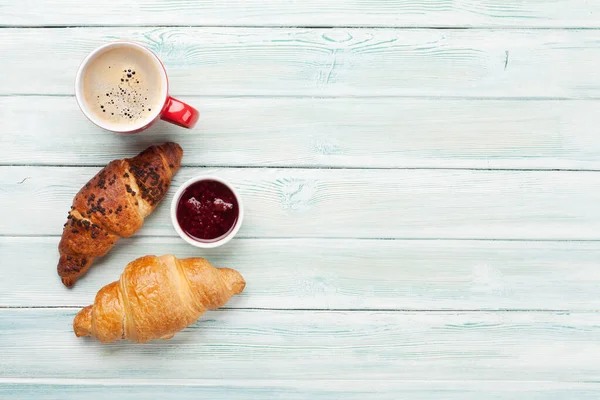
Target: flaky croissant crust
column 157, row 297
column 113, row 204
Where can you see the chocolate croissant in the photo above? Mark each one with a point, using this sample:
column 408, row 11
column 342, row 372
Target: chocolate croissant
column 155, row 298
column 113, row 204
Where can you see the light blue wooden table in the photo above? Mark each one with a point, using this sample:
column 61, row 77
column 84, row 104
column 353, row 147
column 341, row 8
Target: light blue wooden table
column 421, row 183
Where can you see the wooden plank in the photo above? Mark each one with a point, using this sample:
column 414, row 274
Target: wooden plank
column 46, row 389
column 247, row 344
column 340, row 274
column 398, row 13
column 450, row 204
column 323, row 62
column 340, row 132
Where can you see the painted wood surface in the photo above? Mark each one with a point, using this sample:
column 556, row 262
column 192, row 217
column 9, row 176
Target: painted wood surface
column 307, row 132
column 472, row 152
column 59, row 389
column 274, row 344
column 450, row 204
column 324, row 62
column 398, row 13
column 340, row 274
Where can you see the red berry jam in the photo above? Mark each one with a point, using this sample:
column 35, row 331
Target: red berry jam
column 207, row 211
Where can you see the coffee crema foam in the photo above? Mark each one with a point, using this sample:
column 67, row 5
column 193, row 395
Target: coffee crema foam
column 123, row 87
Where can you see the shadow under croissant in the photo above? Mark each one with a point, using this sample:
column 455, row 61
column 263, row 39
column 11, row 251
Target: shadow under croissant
column 160, row 133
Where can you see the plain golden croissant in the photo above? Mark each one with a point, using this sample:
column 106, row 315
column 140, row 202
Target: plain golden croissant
column 113, row 204
column 155, row 298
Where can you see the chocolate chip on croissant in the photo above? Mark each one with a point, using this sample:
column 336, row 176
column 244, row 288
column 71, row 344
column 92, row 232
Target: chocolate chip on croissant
column 155, row 298
column 113, row 204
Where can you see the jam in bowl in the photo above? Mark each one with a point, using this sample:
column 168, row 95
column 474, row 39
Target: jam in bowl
column 206, row 212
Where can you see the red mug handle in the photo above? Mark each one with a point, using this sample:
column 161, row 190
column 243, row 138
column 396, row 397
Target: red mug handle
column 179, row 113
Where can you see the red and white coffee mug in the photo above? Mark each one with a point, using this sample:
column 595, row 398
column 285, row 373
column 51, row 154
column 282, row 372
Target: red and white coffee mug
column 172, row 110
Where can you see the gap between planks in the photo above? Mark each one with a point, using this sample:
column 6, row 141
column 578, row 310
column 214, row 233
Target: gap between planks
column 252, row 382
column 347, row 96
column 319, row 167
column 348, row 238
column 344, row 310
column 283, row 26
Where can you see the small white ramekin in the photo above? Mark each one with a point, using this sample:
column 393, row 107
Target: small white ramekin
column 185, row 236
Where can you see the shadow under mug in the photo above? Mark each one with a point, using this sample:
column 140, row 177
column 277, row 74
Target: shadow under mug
column 172, row 110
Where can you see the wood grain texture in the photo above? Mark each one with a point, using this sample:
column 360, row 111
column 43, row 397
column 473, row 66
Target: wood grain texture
column 60, row 389
column 340, row 132
column 450, row 204
column 246, row 344
column 340, row 274
column 399, row 13
column 330, row 310
column 323, row 62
